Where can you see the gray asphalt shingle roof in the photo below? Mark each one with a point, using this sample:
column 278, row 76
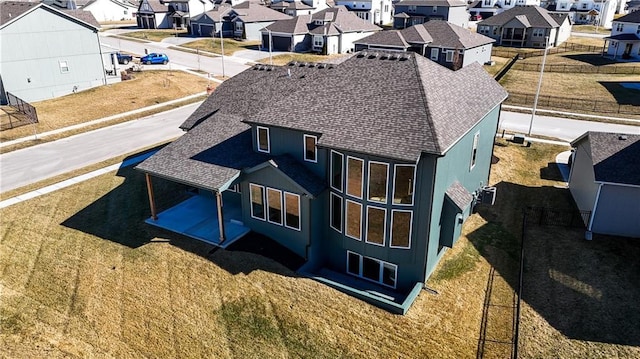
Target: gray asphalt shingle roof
column 535, row 15
column 347, row 105
column 338, row 20
column 630, row 17
column 615, row 160
column 447, row 3
column 9, row 10
column 459, row 195
column 252, row 12
column 436, row 33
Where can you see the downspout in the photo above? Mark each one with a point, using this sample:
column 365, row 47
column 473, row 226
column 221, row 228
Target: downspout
column 593, row 213
column 104, row 73
column 306, row 248
column 220, row 216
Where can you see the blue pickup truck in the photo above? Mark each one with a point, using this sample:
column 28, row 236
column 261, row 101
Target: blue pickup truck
column 123, row 58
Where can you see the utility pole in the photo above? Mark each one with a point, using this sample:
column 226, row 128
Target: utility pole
column 222, row 46
column 535, row 101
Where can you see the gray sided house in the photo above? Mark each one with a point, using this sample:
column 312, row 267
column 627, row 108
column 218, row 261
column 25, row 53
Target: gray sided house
column 329, row 31
column 414, row 12
column 209, row 23
column 249, row 18
column 605, row 180
column 441, row 41
column 299, row 153
column 152, row 14
column 526, row 26
column 37, row 62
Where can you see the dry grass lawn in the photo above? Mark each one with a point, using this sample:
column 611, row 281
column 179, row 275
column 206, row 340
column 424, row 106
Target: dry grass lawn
column 155, row 35
column 284, row 59
column 146, row 89
column 499, row 63
column 82, row 275
column 213, row 45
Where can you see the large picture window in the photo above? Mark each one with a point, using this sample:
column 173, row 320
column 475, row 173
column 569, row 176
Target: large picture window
column 372, row 269
column 401, row 228
column 310, row 152
column 403, row 184
column 378, row 181
column 274, row 202
column 264, row 144
column 292, row 210
column 257, row 201
column 336, row 170
column 336, row 212
column 376, row 224
column 355, row 168
column 353, row 220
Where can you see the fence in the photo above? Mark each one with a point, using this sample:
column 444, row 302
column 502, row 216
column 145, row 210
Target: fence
column 567, row 103
column 26, row 113
column 564, row 47
column 568, row 68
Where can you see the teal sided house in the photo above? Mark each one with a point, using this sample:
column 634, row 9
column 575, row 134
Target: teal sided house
column 367, row 169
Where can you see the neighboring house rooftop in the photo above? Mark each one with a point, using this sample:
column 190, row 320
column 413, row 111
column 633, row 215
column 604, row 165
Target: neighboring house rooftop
column 532, row 16
column 11, row 10
column 560, row 17
column 633, row 17
column 447, row 3
column 436, row 33
column 251, row 12
column 215, row 13
column 157, row 6
column 335, row 20
column 616, row 157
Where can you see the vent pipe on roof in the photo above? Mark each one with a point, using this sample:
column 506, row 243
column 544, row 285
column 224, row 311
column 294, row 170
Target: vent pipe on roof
column 289, row 73
column 622, row 137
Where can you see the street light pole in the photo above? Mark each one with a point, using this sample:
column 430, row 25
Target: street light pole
column 222, row 46
column 535, row 101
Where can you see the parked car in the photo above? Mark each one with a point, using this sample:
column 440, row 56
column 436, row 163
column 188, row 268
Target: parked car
column 154, row 58
column 123, row 58
column 475, row 17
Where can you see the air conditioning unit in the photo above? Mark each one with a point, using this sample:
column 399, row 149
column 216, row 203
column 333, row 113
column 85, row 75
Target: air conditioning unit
column 488, row 195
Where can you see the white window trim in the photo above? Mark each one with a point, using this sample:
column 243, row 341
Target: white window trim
column 331, row 212
column 474, row 148
column 315, row 149
column 268, row 139
column 64, row 69
column 384, row 227
column 413, row 185
column 449, row 56
column 386, row 189
column 380, row 274
column 346, row 218
column 264, row 209
column 235, row 188
column 281, row 206
column 436, row 53
column 410, row 228
column 346, row 189
column 284, row 198
column 341, row 171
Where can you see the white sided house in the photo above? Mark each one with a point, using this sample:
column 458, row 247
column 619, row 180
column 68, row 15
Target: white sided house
column 111, row 10
column 488, row 8
column 624, row 42
column 52, row 53
column 605, row 180
column 378, row 12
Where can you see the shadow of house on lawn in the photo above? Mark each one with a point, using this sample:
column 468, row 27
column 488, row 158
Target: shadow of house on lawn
column 587, row 290
column 119, row 216
column 592, row 59
column 624, row 95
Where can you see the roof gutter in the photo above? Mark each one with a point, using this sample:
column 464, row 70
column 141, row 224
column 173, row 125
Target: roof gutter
column 618, row 184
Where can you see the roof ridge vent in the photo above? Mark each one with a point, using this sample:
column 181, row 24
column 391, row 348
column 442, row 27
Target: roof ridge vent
column 393, row 56
column 622, row 137
column 373, row 55
column 362, row 54
column 322, row 66
column 292, row 63
column 384, row 56
column 404, row 57
column 311, row 64
column 302, row 64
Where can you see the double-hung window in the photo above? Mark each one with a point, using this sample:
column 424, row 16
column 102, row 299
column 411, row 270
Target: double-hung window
column 310, row 151
column 264, row 144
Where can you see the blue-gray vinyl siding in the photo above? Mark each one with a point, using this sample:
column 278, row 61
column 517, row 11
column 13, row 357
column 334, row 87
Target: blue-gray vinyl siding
column 455, row 166
column 455, row 15
column 35, row 46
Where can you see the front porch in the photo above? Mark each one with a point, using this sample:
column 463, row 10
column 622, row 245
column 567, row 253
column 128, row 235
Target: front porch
column 197, row 217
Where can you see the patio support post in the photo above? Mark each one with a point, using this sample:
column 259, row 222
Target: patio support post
column 152, row 202
column 220, row 216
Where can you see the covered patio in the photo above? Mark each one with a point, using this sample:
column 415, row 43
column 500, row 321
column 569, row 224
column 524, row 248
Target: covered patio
column 197, row 217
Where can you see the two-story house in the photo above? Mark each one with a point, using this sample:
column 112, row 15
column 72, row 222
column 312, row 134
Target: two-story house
column 595, row 12
column 624, row 41
column 170, row 14
column 414, row 12
column 298, row 7
column 378, row 12
column 449, row 45
column 249, row 18
column 526, row 26
column 330, row 31
column 369, row 188
column 488, row 8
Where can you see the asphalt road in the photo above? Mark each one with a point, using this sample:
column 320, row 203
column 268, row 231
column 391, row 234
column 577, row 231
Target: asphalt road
column 561, row 128
column 32, row 164
column 232, row 65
